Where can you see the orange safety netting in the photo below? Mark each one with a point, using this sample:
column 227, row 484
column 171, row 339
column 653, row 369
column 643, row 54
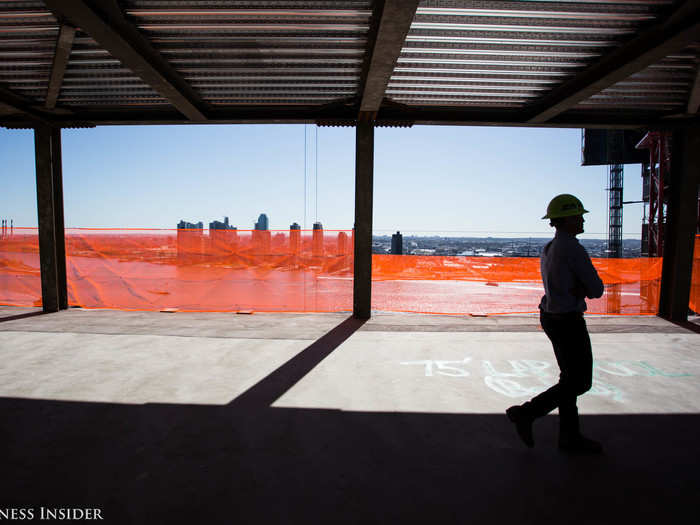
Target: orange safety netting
column 189, row 270
column 694, row 303
column 291, row 270
column 501, row 285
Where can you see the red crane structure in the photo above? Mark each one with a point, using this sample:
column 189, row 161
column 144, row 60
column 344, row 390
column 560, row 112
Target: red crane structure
column 655, row 177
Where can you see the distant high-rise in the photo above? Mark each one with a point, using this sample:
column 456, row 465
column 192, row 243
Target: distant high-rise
column 397, row 244
column 263, row 222
column 294, row 237
column 190, row 241
column 218, row 225
column 317, row 240
column 342, row 243
column 183, row 225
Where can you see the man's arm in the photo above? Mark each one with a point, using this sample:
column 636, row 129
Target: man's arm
column 588, row 283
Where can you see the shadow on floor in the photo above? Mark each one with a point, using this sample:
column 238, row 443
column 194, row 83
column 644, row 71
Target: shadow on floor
column 247, row 462
column 688, row 325
column 21, row 316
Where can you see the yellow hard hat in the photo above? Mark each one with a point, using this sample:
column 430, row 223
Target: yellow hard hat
column 564, row 205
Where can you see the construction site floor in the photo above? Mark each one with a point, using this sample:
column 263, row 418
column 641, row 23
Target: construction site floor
column 319, row 418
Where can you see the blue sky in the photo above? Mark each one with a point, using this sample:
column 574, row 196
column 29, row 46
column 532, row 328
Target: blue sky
column 467, row 180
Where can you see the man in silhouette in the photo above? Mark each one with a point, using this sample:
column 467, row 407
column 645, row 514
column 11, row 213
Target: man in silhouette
column 568, row 277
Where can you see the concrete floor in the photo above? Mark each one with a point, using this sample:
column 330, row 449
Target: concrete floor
column 318, row 418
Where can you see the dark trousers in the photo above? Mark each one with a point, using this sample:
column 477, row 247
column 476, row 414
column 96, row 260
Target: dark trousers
column 572, row 348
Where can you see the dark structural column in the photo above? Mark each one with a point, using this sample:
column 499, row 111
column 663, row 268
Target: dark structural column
column 364, row 176
column 49, row 192
column 57, row 175
column 681, row 223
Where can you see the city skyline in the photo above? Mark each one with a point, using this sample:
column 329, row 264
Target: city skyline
column 489, row 246
column 427, row 179
column 225, row 225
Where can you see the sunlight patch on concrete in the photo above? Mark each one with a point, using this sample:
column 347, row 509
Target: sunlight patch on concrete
column 136, row 368
column 485, row 372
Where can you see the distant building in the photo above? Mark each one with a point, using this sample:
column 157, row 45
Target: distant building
column 218, row 225
column 223, row 238
column 484, row 253
column 397, row 244
column 183, row 225
column 190, row 242
column 294, row 238
column 317, row 240
column 342, row 243
column 261, row 242
column 278, row 244
column 263, row 223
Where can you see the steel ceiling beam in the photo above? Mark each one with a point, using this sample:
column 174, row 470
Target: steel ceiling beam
column 677, row 32
column 694, row 98
column 64, row 44
column 122, row 40
column 23, row 105
column 346, row 115
column 394, row 21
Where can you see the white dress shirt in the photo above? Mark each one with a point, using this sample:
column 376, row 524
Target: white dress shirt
column 564, row 263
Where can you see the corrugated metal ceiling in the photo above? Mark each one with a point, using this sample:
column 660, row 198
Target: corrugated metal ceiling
column 457, row 54
column 279, row 53
column 505, row 53
column 94, row 78
column 664, row 86
column 28, row 34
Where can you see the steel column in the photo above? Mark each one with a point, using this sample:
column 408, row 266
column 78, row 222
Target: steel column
column 364, row 176
column 50, row 214
column 679, row 236
column 57, row 176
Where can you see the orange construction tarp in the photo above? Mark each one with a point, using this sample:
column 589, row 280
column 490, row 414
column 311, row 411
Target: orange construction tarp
column 188, row 270
column 694, row 303
column 296, row 271
column 502, row 285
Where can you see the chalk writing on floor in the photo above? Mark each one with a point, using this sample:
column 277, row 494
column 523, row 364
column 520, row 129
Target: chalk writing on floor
column 527, row 378
column 445, row 368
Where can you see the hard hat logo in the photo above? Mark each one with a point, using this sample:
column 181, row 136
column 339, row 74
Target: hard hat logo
column 564, row 205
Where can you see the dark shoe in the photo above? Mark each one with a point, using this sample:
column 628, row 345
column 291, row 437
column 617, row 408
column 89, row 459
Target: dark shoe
column 523, row 424
column 579, row 444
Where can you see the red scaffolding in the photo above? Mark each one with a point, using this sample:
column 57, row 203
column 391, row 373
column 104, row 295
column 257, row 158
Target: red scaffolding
column 655, row 175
